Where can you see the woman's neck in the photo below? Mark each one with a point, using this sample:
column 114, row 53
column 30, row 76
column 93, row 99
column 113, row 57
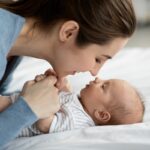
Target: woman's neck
column 31, row 42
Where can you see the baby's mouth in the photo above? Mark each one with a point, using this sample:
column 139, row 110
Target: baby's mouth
column 87, row 85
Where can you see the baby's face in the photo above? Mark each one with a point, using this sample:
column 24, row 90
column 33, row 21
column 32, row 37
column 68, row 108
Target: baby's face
column 103, row 92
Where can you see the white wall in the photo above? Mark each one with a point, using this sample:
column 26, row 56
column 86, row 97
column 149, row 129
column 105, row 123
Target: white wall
column 142, row 9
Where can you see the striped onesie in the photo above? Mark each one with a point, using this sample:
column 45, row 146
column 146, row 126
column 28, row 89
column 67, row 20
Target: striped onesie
column 70, row 116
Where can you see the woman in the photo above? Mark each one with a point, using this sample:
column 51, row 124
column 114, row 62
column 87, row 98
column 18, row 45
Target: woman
column 72, row 35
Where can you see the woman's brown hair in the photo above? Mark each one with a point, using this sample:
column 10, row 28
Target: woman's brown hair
column 100, row 21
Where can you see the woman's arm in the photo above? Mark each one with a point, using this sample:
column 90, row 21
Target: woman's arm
column 13, row 119
column 29, row 108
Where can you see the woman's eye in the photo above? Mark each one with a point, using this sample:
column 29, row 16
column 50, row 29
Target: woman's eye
column 98, row 60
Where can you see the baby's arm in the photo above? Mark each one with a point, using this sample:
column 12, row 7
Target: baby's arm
column 4, row 102
column 44, row 124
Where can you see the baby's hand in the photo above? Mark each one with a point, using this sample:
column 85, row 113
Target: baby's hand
column 39, row 77
column 62, row 83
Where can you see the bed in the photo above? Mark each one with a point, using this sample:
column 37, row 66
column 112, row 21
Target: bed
column 131, row 64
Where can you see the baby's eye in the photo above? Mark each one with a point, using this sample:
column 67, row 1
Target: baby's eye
column 104, row 86
column 98, row 60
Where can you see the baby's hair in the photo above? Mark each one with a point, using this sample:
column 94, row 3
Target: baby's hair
column 141, row 99
column 116, row 108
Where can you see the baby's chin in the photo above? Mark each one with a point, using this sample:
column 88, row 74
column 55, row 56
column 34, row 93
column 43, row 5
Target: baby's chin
column 82, row 92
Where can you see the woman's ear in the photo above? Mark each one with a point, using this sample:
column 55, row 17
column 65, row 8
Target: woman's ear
column 102, row 116
column 68, row 29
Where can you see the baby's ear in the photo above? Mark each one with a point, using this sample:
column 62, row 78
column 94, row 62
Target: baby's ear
column 102, row 116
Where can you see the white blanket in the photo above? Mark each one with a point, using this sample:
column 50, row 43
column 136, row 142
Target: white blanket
column 132, row 65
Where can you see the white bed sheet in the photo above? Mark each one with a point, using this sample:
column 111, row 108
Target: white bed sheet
column 132, row 65
column 133, row 137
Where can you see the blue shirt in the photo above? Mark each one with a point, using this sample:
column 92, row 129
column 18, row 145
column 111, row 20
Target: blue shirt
column 18, row 115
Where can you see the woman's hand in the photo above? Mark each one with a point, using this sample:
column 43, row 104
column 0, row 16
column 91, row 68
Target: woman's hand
column 42, row 96
column 62, row 83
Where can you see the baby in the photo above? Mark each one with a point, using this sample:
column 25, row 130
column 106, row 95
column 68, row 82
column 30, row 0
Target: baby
column 101, row 102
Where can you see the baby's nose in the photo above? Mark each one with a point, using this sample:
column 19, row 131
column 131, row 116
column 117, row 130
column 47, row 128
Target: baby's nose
column 93, row 82
column 97, row 80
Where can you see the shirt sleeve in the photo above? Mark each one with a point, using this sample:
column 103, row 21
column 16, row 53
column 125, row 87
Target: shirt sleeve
column 61, row 122
column 64, row 98
column 14, row 119
column 63, row 119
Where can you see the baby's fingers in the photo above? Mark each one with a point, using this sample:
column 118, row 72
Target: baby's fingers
column 39, row 77
column 51, row 80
